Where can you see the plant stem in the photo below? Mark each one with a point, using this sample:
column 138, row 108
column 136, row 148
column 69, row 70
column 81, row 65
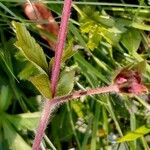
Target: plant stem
column 60, row 45
column 51, row 105
column 78, row 94
column 48, row 105
column 42, row 125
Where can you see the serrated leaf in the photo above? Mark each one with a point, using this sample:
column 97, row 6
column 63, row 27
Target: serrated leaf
column 42, row 83
column 16, row 142
column 66, row 83
column 131, row 40
column 25, row 121
column 135, row 134
column 28, row 46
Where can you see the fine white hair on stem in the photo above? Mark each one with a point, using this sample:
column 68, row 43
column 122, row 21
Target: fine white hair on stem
column 51, row 105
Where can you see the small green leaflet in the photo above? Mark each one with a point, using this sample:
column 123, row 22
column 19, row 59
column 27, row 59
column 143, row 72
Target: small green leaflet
column 131, row 40
column 139, row 132
column 66, row 83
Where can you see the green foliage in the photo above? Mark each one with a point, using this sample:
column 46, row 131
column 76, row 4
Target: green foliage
column 131, row 40
column 5, row 98
column 28, row 71
column 6, row 63
column 42, row 83
column 12, row 102
column 14, row 139
column 69, row 51
column 66, row 83
column 98, row 27
column 28, row 46
column 24, row 121
column 139, row 132
column 11, row 125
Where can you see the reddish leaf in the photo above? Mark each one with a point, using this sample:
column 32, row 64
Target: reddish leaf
column 39, row 12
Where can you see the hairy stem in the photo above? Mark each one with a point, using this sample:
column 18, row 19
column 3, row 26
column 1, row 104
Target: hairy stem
column 78, row 94
column 60, row 45
column 51, row 105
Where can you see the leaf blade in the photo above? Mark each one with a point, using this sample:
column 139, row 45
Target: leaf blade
column 25, row 121
column 139, row 132
column 42, row 83
column 131, row 40
column 28, row 46
column 15, row 141
column 66, row 83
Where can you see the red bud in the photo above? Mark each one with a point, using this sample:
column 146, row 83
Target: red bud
column 129, row 81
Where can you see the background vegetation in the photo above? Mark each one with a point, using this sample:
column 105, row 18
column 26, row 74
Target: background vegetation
column 102, row 38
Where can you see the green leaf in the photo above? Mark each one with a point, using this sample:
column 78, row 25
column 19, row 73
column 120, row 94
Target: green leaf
column 28, row 46
column 5, row 98
column 20, row 56
column 141, row 26
column 78, row 108
column 94, row 38
column 140, row 67
column 69, row 51
column 112, row 35
column 16, row 142
column 25, row 121
column 131, row 40
column 28, row 71
column 97, row 17
column 135, row 134
column 6, row 64
column 42, row 83
column 66, row 83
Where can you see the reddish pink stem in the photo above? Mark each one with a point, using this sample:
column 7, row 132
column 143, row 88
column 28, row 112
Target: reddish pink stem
column 48, row 107
column 60, row 45
column 77, row 94
column 42, row 125
column 51, row 105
